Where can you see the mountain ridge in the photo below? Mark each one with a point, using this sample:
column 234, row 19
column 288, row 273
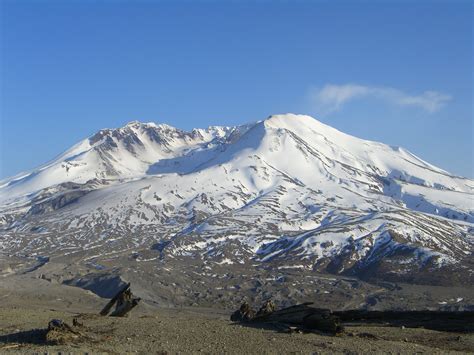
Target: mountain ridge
column 131, row 131
column 285, row 192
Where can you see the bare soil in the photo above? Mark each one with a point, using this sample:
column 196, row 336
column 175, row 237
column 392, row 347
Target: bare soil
column 27, row 305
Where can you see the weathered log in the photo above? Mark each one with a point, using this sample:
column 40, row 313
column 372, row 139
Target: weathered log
column 125, row 303
column 267, row 308
column 243, row 314
column 293, row 314
column 325, row 322
column 305, row 317
column 114, row 299
column 302, row 316
column 59, row 332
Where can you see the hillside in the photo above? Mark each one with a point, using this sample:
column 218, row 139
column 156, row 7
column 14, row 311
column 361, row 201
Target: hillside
column 239, row 204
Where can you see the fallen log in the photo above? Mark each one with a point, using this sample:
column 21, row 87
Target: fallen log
column 114, row 299
column 243, row 314
column 304, row 317
column 267, row 308
column 10, row 346
column 124, row 301
column 59, row 333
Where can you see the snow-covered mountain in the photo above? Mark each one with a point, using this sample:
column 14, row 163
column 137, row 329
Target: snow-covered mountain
column 285, row 192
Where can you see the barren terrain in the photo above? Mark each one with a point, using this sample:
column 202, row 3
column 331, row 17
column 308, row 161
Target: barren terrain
column 28, row 304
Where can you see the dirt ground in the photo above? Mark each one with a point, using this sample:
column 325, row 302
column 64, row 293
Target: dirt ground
column 27, row 305
column 169, row 331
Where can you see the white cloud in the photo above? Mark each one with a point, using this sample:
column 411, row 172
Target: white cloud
column 332, row 97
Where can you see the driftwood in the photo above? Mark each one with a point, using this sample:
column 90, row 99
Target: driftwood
column 303, row 317
column 125, row 302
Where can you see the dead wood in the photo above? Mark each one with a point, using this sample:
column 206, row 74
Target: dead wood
column 300, row 317
column 10, row 346
column 243, row 314
column 267, row 308
column 76, row 323
column 303, row 317
column 60, row 332
column 114, row 299
column 125, row 303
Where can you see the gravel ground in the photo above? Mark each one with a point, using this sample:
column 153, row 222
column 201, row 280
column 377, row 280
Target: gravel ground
column 27, row 305
column 199, row 330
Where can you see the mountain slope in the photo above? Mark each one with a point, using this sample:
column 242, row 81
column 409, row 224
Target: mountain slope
column 286, row 192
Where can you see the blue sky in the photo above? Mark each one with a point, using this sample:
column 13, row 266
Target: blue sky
column 396, row 72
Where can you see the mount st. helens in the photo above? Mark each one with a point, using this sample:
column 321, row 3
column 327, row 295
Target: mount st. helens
column 284, row 194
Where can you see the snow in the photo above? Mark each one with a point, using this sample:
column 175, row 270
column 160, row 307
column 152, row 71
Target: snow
column 288, row 185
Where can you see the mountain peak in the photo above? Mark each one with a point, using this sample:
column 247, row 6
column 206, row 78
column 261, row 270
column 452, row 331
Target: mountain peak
column 138, row 124
column 133, row 123
column 296, row 121
column 288, row 190
column 294, row 143
column 287, row 118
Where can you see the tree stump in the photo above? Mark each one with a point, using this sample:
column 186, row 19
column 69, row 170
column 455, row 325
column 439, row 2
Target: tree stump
column 59, row 332
column 125, row 303
column 267, row 308
column 243, row 314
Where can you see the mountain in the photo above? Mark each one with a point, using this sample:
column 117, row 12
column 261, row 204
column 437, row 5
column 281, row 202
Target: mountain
column 285, row 193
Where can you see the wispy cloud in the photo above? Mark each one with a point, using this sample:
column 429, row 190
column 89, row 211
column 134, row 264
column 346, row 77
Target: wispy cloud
column 332, row 97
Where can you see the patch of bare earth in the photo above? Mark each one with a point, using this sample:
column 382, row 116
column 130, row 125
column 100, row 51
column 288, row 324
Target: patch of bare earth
column 200, row 330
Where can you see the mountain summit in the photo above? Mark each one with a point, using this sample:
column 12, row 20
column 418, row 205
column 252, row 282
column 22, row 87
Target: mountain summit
column 285, row 192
